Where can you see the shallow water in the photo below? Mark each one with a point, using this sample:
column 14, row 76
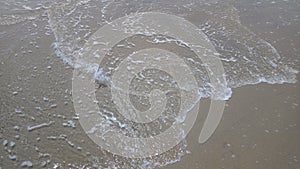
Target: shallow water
column 40, row 40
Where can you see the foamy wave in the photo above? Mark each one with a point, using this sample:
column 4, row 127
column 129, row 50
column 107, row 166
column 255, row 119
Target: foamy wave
column 247, row 59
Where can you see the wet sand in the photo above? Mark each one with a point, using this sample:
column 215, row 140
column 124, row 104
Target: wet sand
column 260, row 126
column 259, row 129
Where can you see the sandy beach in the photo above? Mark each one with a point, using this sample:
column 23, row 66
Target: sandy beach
column 39, row 127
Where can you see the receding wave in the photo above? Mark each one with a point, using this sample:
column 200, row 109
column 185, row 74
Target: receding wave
column 246, row 58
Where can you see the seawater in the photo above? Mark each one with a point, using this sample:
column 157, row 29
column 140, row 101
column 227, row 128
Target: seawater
column 247, row 58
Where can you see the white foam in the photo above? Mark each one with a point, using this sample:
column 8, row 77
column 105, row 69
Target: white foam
column 61, row 15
